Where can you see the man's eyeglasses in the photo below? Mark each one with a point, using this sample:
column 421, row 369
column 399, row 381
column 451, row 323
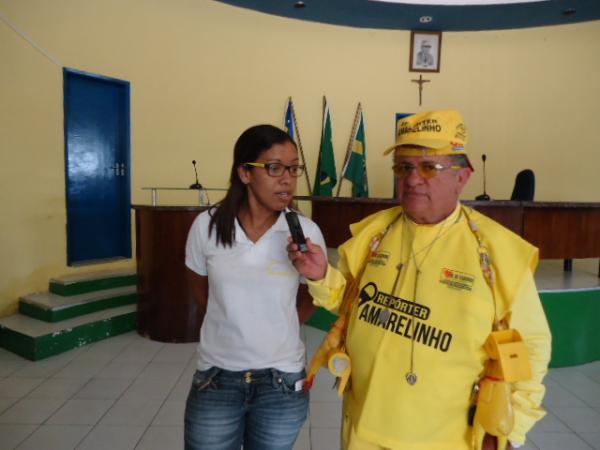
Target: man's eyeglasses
column 426, row 169
column 277, row 169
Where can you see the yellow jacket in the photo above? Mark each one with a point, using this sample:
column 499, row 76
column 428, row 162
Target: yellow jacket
column 443, row 325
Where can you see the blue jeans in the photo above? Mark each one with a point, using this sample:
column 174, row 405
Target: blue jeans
column 260, row 409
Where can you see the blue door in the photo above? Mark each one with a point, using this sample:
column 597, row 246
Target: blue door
column 97, row 160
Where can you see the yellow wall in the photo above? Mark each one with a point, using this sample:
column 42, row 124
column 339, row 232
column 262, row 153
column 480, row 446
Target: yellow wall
column 201, row 72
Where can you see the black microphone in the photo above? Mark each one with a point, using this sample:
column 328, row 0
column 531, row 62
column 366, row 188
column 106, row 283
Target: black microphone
column 196, row 185
column 483, row 196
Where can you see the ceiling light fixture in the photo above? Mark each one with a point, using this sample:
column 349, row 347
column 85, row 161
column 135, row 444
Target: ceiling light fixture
column 425, row 19
column 299, row 4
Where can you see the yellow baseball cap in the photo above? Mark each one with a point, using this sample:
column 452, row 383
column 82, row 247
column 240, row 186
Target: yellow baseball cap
column 434, row 133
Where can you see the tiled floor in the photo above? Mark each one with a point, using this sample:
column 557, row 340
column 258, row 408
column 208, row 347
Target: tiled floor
column 128, row 393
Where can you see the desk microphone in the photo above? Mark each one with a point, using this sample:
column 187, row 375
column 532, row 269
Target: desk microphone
column 483, row 196
column 196, row 185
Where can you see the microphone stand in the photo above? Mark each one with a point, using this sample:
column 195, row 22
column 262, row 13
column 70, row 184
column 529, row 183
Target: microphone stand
column 484, row 196
column 195, row 185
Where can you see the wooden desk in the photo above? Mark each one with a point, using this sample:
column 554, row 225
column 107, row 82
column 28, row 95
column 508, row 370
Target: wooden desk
column 560, row 230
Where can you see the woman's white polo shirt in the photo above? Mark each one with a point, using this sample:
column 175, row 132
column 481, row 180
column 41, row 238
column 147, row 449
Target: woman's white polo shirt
column 251, row 320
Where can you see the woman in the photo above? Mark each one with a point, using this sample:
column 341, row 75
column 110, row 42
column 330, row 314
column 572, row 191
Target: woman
column 248, row 385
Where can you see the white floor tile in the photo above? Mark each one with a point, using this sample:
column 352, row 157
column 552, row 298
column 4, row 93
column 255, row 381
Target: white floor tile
column 122, row 369
column 111, row 347
column 5, row 355
column 80, row 412
column 161, row 438
column 45, row 368
column 325, row 438
column 170, row 414
column 140, row 351
column 303, row 440
column 168, row 372
column 314, row 338
column 557, row 395
column 558, row 441
column 592, row 439
column 49, row 366
column 148, row 388
column 590, row 369
column 12, row 435
column 138, row 399
column 31, row 411
column 14, row 387
column 580, row 420
column 103, row 388
column 176, row 353
column 325, row 415
column 63, row 388
column 55, row 437
column 81, row 369
column 181, row 390
column 112, row 438
column 10, row 366
column 7, row 402
column 529, row 446
column 139, row 412
column 323, row 389
column 550, row 424
column 580, row 385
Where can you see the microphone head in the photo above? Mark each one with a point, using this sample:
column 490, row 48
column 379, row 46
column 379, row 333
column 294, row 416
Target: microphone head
column 193, row 161
column 483, row 157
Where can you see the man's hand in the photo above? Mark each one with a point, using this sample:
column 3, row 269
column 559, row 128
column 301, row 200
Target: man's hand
column 490, row 443
column 311, row 264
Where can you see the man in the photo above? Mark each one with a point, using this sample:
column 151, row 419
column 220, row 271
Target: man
column 424, row 57
column 427, row 301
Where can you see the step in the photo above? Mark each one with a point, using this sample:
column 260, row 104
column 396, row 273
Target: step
column 34, row 339
column 94, row 281
column 54, row 308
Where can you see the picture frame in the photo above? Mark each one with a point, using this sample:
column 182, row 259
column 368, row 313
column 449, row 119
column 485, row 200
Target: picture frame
column 425, row 51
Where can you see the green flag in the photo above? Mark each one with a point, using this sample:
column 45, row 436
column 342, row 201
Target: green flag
column 356, row 167
column 326, row 175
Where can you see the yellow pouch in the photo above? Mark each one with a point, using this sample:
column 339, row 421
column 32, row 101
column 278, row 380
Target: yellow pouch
column 509, row 360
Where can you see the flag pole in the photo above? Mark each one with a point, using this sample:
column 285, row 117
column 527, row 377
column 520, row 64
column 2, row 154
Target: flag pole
column 318, row 173
column 306, row 176
column 350, row 145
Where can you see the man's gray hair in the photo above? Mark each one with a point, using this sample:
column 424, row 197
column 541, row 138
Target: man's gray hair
column 460, row 160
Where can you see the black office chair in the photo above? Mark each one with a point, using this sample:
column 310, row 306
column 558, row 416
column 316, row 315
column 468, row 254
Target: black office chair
column 524, row 189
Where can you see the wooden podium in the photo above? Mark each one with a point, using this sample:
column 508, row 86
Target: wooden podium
column 167, row 311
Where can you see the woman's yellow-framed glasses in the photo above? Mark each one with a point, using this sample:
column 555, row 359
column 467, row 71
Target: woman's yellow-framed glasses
column 426, row 169
column 278, row 169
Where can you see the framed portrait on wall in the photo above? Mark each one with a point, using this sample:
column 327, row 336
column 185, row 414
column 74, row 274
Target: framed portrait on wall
column 425, row 51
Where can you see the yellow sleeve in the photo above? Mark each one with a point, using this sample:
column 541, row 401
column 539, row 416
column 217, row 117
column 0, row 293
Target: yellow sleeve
column 528, row 317
column 329, row 291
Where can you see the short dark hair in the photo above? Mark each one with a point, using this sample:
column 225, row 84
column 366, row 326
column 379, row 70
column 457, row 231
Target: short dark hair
column 248, row 148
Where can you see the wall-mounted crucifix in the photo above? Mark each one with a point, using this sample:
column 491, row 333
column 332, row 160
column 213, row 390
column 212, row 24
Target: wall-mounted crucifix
column 420, row 81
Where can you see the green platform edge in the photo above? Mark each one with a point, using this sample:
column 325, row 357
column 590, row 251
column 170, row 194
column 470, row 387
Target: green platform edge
column 68, row 312
column 322, row 319
column 36, row 348
column 573, row 318
column 85, row 286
